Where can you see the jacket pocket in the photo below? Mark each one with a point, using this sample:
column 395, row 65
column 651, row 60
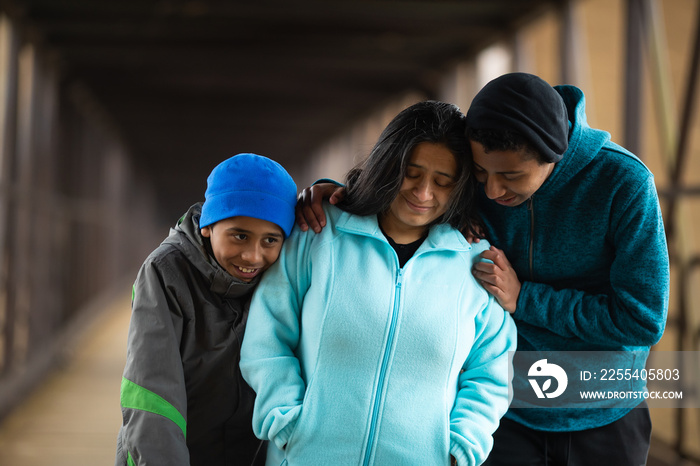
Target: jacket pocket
column 293, row 435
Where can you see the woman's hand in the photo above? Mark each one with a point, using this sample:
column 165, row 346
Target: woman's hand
column 309, row 209
column 499, row 278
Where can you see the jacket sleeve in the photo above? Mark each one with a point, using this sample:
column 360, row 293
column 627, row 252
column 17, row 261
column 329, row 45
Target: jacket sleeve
column 268, row 361
column 153, row 394
column 634, row 312
column 484, row 386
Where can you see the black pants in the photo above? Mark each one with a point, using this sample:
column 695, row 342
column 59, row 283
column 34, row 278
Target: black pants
column 625, row 442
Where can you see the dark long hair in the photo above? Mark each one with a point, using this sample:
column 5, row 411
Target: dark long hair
column 373, row 185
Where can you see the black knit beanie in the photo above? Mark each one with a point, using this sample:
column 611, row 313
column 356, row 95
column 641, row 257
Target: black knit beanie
column 524, row 104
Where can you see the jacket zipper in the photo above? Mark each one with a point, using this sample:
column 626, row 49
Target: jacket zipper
column 382, row 372
column 531, row 250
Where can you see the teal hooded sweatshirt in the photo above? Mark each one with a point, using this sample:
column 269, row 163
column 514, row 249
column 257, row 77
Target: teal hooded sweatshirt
column 356, row 361
column 590, row 251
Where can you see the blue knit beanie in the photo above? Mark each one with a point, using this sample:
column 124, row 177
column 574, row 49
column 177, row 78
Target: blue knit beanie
column 250, row 185
column 527, row 105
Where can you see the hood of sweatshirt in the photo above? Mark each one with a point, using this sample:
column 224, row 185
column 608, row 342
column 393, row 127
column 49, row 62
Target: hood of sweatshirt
column 585, row 143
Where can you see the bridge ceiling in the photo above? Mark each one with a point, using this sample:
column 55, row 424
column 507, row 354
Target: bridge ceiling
column 189, row 82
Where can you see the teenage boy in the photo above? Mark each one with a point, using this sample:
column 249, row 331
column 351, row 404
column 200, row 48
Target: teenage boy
column 183, row 399
column 581, row 260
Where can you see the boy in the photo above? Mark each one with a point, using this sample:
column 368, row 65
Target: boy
column 182, row 396
column 581, row 264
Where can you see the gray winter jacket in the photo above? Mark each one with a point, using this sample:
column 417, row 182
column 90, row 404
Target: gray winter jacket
column 182, row 396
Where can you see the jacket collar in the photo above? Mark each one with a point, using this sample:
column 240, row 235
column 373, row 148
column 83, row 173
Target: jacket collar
column 442, row 236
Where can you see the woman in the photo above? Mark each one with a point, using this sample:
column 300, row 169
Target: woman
column 371, row 342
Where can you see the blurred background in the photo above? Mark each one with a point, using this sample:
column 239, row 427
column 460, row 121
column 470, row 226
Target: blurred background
column 112, row 113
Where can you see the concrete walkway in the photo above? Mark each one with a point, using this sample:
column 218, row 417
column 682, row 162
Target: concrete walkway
column 74, row 417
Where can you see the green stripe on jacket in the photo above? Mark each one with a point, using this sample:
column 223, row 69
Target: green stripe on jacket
column 136, row 397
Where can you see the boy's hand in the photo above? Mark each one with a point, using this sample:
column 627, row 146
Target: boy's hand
column 498, row 278
column 309, row 210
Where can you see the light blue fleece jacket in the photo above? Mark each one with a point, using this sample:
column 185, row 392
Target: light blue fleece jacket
column 590, row 250
column 356, row 361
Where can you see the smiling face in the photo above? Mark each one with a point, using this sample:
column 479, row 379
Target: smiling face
column 509, row 177
column 245, row 246
column 424, row 194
